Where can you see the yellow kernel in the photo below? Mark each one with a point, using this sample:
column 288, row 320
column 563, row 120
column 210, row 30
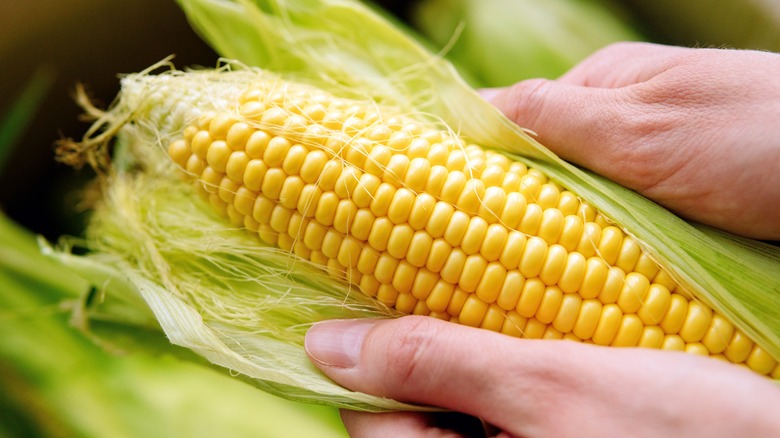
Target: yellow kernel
column 399, row 240
column 440, row 296
column 534, row 329
column 361, row 226
column 646, row 266
column 760, row 361
column 440, row 217
column 386, row 294
column 424, row 282
column 509, row 292
column 663, row 278
column 254, row 174
column 573, row 273
column 419, row 248
column 312, row 166
column 633, row 292
column 453, row 186
column 439, row 252
column 587, row 319
column 395, row 171
column 470, row 197
column 530, row 297
column 612, row 285
column 718, row 334
column 291, row 192
column 404, row 275
column 200, row 144
column 492, row 203
column 195, row 165
column 326, row 208
column 417, row 174
column 739, row 347
column 589, row 240
column 513, row 250
column 608, row 325
column 256, row 144
column 308, row 200
column 179, row 152
column 697, row 321
column 400, row 206
column 227, row 190
column 628, row 254
column 474, row 235
column 421, row 210
column 493, row 319
column 367, row 260
column 473, row 269
column 492, row 176
column 365, row 190
column 532, row 218
column 382, row 198
column 571, row 232
column 261, row 210
column 548, row 196
column 236, row 165
column 493, row 243
column 405, row 303
column 437, row 178
column 244, row 201
column 280, row 219
column 675, row 316
column 293, row 161
column 610, row 244
column 655, row 304
column 272, row 183
column 456, row 228
column 331, row 244
column 346, row 211
column 673, row 343
column 534, row 253
column 530, row 186
column 251, row 110
column 513, row 324
column 554, row 264
column 566, row 317
column 629, row 332
column 491, row 283
column 652, row 337
column 473, row 311
column 513, row 211
column 596, row 271
column 347, row 182
column 551, row 302
column 696, row 348
column 329, row 175
column 210, row 179
column 238, row 135
column 453, row 266
column 380, row 233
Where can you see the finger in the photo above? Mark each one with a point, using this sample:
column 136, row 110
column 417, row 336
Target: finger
column 410, row 424
column 622, row 64
column 431, row 362
column 529, row 386
column 586, row 126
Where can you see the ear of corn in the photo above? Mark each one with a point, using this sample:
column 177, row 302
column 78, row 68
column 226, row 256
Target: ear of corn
column 367, row 185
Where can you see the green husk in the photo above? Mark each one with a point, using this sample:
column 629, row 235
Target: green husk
column 216, row 290
column 500, row 42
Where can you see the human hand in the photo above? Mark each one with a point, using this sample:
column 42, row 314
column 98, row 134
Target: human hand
column 696, row 130
column 536, row 388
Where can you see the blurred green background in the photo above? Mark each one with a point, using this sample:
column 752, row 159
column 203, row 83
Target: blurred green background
column 54, row 381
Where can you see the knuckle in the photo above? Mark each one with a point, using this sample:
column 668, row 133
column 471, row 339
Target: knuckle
column 410, row 348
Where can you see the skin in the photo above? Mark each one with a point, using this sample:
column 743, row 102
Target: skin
column 693, row 129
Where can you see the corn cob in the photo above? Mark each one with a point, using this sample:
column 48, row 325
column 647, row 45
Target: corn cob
column 428, row 224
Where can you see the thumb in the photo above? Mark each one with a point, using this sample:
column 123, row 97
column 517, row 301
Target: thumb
column 413, row 359
column 581, row 124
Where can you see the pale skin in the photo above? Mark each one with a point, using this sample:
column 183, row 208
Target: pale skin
column 693, row 129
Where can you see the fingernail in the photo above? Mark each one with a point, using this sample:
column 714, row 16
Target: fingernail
column 337, row 343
